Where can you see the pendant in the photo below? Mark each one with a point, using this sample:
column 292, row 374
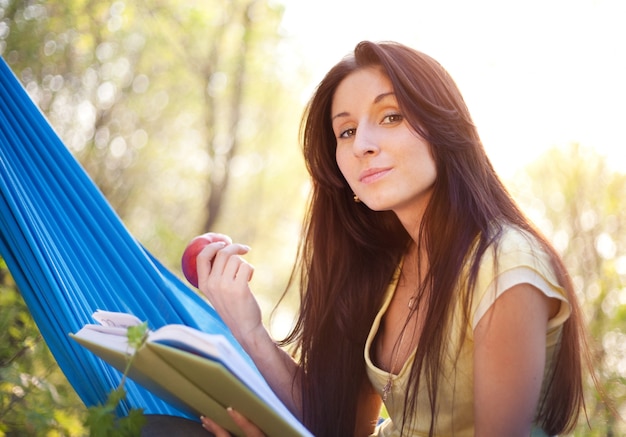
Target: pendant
column 411, row 302
column 387, row 388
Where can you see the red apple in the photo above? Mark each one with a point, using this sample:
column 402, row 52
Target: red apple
column 188, row 260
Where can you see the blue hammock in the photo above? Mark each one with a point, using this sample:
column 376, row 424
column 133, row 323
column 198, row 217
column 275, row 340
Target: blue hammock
column 70, row 254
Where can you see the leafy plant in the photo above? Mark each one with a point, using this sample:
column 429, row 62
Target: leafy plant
column 35, row 397
column 102, row 420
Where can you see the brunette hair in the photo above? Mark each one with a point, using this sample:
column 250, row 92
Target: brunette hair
column 348, row 253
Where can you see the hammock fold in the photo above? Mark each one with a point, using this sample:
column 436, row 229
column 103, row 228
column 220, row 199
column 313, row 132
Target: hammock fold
column 70, row 254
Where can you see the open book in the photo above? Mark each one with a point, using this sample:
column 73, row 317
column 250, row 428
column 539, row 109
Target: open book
column 199, row 373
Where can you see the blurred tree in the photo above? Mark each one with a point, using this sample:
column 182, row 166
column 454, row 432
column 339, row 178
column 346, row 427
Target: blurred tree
column 577, row 200
column 169, row 106
column 178, row 112
column 156, row 100
column 77, row 61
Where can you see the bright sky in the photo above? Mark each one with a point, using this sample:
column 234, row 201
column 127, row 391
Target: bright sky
column 534, row 74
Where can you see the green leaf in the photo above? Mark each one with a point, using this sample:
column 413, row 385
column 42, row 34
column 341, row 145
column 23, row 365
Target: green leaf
column 100, row 420
column 137, row 335
column 132, row 424
column 115, row 397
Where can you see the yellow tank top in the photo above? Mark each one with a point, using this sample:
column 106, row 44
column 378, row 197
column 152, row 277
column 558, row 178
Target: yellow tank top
column 520, row 260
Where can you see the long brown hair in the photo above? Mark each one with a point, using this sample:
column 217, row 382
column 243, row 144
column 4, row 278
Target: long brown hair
column 348, row 253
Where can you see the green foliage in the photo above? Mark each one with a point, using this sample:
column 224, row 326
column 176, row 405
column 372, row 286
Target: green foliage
column 35, row 398
column 102, row 420
column 576, row 199
column 137, row 336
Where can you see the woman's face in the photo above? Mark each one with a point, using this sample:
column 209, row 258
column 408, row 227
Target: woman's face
column 385, row 162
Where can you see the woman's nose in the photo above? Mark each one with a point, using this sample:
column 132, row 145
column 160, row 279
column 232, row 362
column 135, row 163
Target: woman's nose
column 365, row 142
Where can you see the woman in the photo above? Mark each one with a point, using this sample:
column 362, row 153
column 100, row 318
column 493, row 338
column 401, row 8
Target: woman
column 423, row 285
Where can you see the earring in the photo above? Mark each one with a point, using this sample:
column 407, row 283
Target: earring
column 356, row 199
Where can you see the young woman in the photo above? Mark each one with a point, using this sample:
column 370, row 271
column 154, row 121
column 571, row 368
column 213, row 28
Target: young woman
column 423, row 285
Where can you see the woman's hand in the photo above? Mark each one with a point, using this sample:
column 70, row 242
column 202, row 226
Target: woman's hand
column 223, row 277
column 246, row 426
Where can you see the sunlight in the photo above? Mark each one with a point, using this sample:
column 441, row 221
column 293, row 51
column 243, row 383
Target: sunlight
column 535, row 74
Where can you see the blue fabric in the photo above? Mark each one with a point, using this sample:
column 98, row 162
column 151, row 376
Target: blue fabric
column 70, row 254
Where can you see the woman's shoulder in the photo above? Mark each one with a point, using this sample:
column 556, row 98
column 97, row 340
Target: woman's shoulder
column 518, row 247
column 516, row 257
column 514, row 237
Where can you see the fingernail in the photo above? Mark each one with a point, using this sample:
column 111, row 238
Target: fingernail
column 205, row 424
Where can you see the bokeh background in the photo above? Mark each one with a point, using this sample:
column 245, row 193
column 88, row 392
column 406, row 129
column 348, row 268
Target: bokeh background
column 186, row 116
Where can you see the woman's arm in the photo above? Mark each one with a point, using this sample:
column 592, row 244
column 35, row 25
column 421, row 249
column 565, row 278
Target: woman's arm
column 509, row 361
column 277, row 366
column 223, row 277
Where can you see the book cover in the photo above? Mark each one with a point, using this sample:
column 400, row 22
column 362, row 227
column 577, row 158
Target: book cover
column 199, row 373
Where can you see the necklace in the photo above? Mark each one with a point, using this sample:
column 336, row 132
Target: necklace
column 389, row 384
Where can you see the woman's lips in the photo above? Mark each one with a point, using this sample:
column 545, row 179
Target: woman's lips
column 372, row 174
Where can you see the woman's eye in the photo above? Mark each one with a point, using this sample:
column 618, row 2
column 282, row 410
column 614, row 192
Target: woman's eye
column 392, row 118
column 347, row 133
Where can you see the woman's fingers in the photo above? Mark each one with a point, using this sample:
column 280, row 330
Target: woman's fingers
column 206, row 256
column 244, row 272
column 223, row 278
column 249, row 428
column 219, row 265
column 215, row 237
column 225, row 256
column 213, row 427
column 237, row 269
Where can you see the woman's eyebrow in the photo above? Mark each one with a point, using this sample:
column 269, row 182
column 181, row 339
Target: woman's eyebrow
column 341, row 114
column 383, row 96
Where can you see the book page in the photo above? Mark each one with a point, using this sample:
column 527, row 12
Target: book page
column 115, row 319
column 113, row 338
column 111, row 331
column 112, row 323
